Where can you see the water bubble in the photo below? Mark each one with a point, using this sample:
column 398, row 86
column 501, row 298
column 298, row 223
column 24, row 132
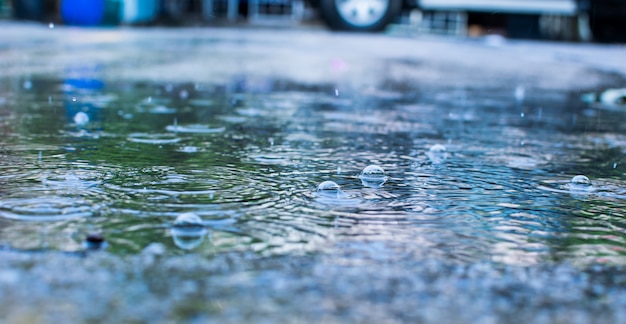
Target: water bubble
column 328, row 186
column 580, row 183
column 51, row 25
column 437, row 153
column 81, row 118
column 581, row 180
column 373, row 176
column 74, row 99
column 188, row 231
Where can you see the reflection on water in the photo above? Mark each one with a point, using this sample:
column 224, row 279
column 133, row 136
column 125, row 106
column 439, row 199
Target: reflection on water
column 279, row 168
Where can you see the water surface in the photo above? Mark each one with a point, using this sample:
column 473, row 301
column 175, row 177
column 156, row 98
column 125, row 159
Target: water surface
column 81, row 155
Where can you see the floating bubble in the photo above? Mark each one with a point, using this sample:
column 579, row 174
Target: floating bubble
column 580, row 183
column 437, row 153
column 328, row 186
column 188, row 220
column 188, row 231
column 373, row 176
column 81, row 118
column 581, row 180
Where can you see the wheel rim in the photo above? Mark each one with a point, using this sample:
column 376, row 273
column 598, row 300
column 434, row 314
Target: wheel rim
column 362, row 13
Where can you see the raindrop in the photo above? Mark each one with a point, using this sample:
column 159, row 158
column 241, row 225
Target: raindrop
column 169, row 87
column 74, row 99
column 27, row 84
column 614, row 165
column 336, row 92
column 373, row 176
column 51, row 25
column 520, row 93
column 271, row 140
column 188, row 231
column 81, row 118
column 522, row 114
column 49, row 100
column 40, row 156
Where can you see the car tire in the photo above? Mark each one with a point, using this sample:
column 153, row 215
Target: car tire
column 359, row 15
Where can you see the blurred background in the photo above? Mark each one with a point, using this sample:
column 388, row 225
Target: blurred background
column 568, row 20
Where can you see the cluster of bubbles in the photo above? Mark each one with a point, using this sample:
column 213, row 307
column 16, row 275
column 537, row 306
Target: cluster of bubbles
column 372, row 176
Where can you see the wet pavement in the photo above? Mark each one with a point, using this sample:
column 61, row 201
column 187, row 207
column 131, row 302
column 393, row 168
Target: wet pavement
column 298, row 175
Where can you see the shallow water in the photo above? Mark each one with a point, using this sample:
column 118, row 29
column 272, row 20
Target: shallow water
column 125, row 159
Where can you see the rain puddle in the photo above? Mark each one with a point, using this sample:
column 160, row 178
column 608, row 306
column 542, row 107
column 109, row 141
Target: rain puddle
column 500, row 176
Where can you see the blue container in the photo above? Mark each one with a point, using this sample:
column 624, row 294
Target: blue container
column 82, row 12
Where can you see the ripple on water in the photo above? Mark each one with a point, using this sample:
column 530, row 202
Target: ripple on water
column 155, row 139
column 46, row 208
column 194, row 129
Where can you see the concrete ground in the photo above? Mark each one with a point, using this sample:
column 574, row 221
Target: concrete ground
column 311, row 55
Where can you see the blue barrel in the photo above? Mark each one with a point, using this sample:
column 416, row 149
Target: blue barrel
column 82, row 12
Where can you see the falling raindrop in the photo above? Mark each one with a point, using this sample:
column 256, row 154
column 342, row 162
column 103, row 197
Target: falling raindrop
column 336, row 92
column 184, row 94
column 74, row 99
column 522, row 114
column 81, row 118
column 51, row 25
column 373, row 176
column 520, row 94
column 27, row 84
column 614, row 165
column 49, row 100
